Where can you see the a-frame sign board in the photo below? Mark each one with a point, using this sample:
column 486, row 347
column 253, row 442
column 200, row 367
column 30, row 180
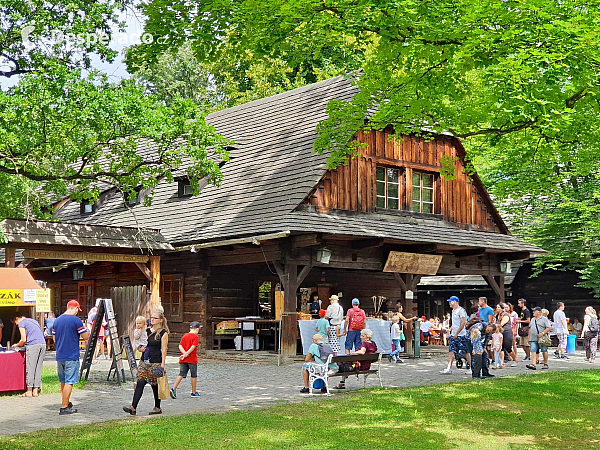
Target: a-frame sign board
column 104, row 306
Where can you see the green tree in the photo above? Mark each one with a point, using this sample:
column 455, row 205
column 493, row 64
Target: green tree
column 65, row 130
column 516, row 80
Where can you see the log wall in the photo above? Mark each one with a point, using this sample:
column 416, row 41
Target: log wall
column 352, row 187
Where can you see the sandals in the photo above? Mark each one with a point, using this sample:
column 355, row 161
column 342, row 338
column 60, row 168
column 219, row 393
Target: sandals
column 341, row 386
column 545, row 367
column 24, row 394
column 531, row 367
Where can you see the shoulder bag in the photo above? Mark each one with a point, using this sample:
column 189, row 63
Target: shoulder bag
column 523, row 330
column 545, row 340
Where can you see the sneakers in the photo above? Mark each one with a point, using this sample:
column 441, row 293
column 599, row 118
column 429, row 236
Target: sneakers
column 390, row 359
column 304, row 391
column 556, row 354
column 194, row 394
column 514, row 365
column 398, row 360
column 564, row 357
column 173, row 393
column 494, row 366
column 526, row 359
column 468, row 372
column 66, row 411
column 446, row 371
column 488, row 375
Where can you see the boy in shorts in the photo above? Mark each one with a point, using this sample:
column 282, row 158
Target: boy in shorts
column 188, row 361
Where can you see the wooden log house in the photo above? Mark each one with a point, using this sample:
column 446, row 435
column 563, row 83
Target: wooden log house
column 279, row 205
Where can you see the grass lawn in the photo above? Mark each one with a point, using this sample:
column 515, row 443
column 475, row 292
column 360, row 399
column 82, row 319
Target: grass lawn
column 545, row 411
column 50, row 384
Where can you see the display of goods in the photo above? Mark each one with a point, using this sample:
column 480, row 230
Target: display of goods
column 227, row 331
column 304, row 316
column 228, row 325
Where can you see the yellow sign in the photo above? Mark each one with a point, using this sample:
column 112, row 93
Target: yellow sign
column 13, row 297
column 84, row 256
column 42, row 300
column 416, row 263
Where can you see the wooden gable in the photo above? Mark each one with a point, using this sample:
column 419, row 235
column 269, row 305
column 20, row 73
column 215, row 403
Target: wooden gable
column 352, row 187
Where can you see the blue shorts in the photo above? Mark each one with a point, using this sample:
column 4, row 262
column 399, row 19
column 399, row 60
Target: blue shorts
column 460, row 346
column 353, row 339
column 68, row 371
column 535, row 346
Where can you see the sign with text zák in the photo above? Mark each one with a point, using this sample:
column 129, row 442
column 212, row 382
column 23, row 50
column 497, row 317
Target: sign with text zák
column 415, row 263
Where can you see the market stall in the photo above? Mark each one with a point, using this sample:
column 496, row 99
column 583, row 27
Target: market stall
column 379, row 327
column 19, row 293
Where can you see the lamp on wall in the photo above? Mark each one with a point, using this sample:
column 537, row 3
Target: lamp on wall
column 78, row 273
column 505, row 267
column 323, row 255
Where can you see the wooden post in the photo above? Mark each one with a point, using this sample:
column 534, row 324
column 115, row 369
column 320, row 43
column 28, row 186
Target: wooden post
column 155, row 283
column 9, row 257
column 290, row 280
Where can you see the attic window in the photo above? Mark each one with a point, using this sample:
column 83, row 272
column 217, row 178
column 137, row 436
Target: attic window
column 86, row 208
column 388, row 188
column 132, row 201
column 184, row 188
column 422, row 192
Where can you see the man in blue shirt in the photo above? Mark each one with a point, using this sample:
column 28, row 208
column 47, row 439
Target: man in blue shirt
column 67, row 330
column 485, row 312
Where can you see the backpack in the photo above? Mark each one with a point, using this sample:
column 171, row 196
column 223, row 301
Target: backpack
column 593, row 324
column 325, row 350
column 358, row 320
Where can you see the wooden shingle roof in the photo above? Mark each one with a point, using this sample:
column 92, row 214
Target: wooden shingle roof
column 272, row 168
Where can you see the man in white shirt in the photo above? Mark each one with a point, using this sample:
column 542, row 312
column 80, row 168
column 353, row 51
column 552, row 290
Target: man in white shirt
column 561, row 330
column 459, row 342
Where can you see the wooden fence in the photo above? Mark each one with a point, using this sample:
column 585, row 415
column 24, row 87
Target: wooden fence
column 130, row 302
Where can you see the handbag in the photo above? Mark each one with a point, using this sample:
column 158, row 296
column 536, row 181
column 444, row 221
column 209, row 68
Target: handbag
column 524, row 331
column 163, row 387
column 545, row 340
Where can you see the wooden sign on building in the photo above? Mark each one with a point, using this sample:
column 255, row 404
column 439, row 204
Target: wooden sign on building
column 415, row 263
column 84, row 256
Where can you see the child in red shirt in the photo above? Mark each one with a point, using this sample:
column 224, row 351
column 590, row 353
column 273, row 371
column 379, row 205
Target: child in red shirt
column 188, row 361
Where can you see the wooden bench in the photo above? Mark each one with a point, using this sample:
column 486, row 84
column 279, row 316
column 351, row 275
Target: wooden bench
column 321, row 371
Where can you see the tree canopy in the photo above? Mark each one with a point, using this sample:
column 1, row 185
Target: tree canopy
column 66, row 130
column 516, row 80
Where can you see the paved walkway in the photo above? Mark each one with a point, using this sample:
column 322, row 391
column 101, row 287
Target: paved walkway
column 224, row 386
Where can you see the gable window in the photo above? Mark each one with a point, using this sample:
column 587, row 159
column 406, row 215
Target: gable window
column 171, row 293
column 132, row 201
column 388, row 188
column 86, row 207
column 184, row 188
column 422, row 192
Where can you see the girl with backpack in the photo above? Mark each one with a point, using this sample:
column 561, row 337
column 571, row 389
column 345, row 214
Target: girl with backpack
column 590, row 334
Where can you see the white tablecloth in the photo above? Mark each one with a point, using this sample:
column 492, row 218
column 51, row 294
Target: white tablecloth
column 381, row 334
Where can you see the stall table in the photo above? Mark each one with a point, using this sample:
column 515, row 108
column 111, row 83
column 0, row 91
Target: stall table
column 12, row 371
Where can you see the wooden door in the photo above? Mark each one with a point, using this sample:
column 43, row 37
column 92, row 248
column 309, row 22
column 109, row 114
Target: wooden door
column 85, row 296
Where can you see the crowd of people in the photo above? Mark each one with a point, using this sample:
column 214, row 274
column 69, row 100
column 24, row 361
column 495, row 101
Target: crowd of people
column 492, row 334
column 486, row 339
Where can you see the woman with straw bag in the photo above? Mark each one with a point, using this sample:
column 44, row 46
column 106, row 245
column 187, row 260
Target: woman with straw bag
column 153, row 370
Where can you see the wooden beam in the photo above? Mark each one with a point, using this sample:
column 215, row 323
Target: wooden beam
column 25, row 262
column 492, row 281
column 155, row 282
column 303, row 273
column 401, row 282
column 469, row 252
column 9, row 257
column 307, row 240
column 515, row 256
column 414, row 282
column 145, row 270
column 419, row 248
column 367, row 243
